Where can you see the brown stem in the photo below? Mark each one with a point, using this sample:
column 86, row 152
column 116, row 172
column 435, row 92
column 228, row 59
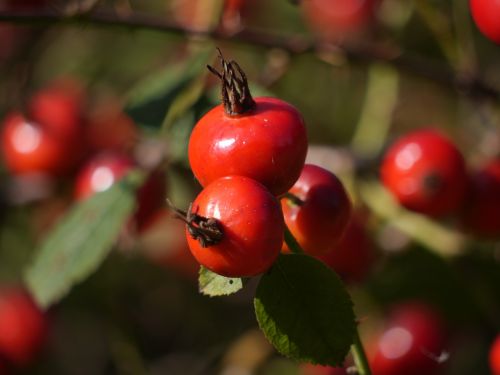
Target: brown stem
column 207, row 231
column 236, row 95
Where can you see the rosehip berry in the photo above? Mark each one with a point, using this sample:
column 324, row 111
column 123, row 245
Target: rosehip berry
column 412, row 343
column 321, row 217
column 426, row 172
column 336, row 20
column 22, row 326
column 481, row 214
column 263, row 139
column 486, row 16
column 235, row 227
column 353, row 256
column 101, row 172
column 29, row 147
column 494, row 356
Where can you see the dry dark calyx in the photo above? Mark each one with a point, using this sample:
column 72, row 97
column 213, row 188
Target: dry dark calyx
column 236, row 96
column 207, row 231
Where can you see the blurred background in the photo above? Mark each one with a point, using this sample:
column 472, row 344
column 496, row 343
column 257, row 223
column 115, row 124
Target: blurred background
column 93, row 89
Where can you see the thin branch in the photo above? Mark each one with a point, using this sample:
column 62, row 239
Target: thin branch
column 294, row 44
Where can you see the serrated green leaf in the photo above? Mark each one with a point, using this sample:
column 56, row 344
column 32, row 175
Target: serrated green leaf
column 149, row 102
column 305, row 311
column 214, row 285
column 81, row 241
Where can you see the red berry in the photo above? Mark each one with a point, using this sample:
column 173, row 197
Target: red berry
column 22, row 326
column 28, row 147
column 486, row 15
column 411, row 344
column 251, row 223
column 308, row 369
column 353, row 256
column 322, row 216
column 481, row 215
column 267, row 144
column 335, row 20
column 100, row 173
column 494, row 356
column 426, row 172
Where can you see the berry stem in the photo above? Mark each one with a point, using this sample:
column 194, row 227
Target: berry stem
column 359, row 355
column 236, row 96
column 292, row 243
column 292, row 199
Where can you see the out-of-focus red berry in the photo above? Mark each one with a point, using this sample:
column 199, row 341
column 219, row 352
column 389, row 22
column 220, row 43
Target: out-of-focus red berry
column 353, row 256
column 485, row 14
column 481, row 214
column 425, row 172
column 494, row 356
column 22, row 326
column 412, row 343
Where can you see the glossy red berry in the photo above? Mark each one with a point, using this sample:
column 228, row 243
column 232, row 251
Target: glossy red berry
column 264, row 139
column 336, row 20
column 22, row 326
column 321, row 217
column 267, row 144
column 251, row 223
column 494, row 356
column 105, row 169
column 481, row 214
column 486, row 14
column 353, row 256
column 413, row 343
column 29, row 147
column 425, row 171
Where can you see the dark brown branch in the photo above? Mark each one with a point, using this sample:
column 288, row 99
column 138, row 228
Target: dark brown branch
column 294, row 44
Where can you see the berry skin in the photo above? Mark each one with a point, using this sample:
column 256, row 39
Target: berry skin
column 22, row 326
column 251, row 222
column 353, row 256
column 485, row 14
column 425, row 172
column 267, row 143
column 411, row 344
column 336, row 20
column 101, row 172
column 322, row 217
column 29, row 147
column 481, row 214
column 494, row 356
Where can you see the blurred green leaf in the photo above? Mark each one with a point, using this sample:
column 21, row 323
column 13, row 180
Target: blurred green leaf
column 214, row 285
column 151, row 100
column 78, row 245
column 305, row 311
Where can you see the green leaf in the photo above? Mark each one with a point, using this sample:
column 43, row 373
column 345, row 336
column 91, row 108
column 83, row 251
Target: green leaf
column 305, row 311
column 214, row 285
column 149, row 102
column 81, row 241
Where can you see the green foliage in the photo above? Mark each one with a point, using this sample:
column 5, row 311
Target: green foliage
column 214, row 285
column 305, row 311
column 82, row 240
column 176, row 86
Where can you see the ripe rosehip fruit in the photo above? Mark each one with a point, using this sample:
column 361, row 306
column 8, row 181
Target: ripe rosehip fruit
column 353, row 256
column 263, row 139
column 494, row 356
column 29, row 147
column 481, row 214
column 101, row 172
column 22, row 326
column 412, row 343
column 426, row 172
column 320, row 218
column 485, row 14
column 335, row 20
column 235, row 227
